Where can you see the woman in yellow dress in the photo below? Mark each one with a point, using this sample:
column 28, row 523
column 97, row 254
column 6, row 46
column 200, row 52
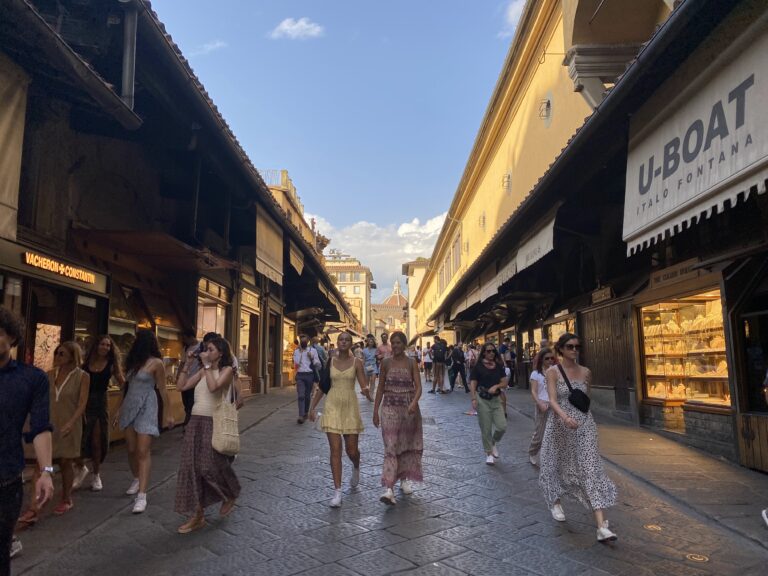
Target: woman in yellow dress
column 341, row 418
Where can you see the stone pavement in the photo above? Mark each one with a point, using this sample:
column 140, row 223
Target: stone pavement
column 467, row 517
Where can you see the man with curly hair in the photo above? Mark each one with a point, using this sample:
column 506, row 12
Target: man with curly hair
column 23, row 392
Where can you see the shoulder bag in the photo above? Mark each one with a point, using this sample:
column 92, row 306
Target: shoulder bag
column 325, row 377
column 577, row 398
column 226, row 434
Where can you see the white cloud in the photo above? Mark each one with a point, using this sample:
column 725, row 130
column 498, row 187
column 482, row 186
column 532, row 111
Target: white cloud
column 512, row 14
column 208, row 47
column 384, row 249
column 300, row 29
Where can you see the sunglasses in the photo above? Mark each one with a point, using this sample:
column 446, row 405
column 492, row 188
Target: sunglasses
column 573, row 346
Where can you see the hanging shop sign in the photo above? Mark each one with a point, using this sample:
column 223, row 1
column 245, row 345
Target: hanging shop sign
column 250, row 300
column 677, row 273
column 602, row 295
column 537, row 246
column 52, row 268
column 707, row 146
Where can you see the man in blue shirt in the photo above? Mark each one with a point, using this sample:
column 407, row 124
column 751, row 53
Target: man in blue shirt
column 23, row 391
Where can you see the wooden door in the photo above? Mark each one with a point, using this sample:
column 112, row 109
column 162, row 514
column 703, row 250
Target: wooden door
column 607, row 350
column 753, row 441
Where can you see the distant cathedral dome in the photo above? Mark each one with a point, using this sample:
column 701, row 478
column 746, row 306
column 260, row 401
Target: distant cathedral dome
column 396, row 298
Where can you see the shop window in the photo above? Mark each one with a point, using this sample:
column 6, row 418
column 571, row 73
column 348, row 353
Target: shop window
column 49, row 323
column 10, row 292
column 86, row 322
column 684, row 350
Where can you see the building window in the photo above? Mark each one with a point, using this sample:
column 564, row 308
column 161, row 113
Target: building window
column 357, row 289
column 343, row 289
column 342, row 276
column 356, row 276
column 457, row 252
column 448, row 271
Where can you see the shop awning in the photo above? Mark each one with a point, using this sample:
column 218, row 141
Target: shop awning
column 699, row 144
column 296, row 257
column 156, row 249
column 269, row 246
column 489, row 284
column 537, row 246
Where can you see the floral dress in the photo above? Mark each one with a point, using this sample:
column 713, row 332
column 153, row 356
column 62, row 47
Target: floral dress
column 570, row 461
column 402, row 432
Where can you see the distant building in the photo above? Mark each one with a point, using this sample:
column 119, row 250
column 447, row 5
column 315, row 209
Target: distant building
column 391, row 314
column 414, row 272
column 355, row 283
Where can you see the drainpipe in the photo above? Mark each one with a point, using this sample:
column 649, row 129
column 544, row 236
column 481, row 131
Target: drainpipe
column 130, row 25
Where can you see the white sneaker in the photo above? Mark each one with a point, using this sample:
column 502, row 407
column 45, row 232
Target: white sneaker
column 336, row 500
column 80, row 476
column 133, row 488
column 16, row 547
column 494, row 451
column 139, row 505
column 557, row 513
column 388, row 497
column 406, row 487
column 534, row 460
column 490, row 460
column 604, row 534
column 96, row 485
column 355, row 480
column 765, row 516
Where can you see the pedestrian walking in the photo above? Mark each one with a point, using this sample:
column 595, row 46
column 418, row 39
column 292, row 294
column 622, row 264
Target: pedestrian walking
column 400, row 420
column 68, row 393
column 544, row 360
column 138, row 413
column 570, row 459
column 191, row 363
column 102, row 363
column 439, row 352
column 370, row 363
column 458, row 368
column 341, row 416
column 205, row 476
column 305, row 361
column 487, row 383
column 24, row 393
column 428, row 364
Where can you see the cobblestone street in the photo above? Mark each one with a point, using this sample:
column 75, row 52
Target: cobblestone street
column 467, row 517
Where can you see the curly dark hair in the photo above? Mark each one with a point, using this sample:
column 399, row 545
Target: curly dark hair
column 144, row 347
column 12, row 324
column 113, row 358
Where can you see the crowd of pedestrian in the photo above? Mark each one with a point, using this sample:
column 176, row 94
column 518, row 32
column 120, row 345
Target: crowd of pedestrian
column 67, row 421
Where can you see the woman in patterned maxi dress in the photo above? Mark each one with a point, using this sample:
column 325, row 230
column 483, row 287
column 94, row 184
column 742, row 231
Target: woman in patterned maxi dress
column 341, row 419
column 400, row 420
column 570, row 459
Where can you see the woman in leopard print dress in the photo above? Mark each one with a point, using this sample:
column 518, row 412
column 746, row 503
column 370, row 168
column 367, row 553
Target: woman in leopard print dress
column 570, row 459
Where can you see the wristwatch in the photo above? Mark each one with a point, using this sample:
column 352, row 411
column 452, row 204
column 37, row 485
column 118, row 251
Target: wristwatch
column 48, row 469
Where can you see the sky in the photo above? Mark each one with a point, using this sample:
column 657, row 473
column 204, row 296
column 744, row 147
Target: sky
column 371, row 106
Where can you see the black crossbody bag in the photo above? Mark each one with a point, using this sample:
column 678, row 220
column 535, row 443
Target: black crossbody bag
column 577, row 398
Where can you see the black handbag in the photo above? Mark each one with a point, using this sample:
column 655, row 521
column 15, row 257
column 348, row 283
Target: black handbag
column 577, row 398
column 325, row 377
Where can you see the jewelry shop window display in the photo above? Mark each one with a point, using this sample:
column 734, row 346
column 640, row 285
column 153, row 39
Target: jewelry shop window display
column 684, row 350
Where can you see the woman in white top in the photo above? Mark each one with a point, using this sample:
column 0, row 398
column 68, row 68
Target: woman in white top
column 544, row 359
column 205, row 476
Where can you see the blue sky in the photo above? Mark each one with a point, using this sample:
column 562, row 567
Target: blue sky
column 371, row 106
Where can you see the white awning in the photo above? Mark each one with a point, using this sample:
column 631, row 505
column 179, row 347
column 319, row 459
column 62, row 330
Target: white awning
column 537, row 246
column 697, row 144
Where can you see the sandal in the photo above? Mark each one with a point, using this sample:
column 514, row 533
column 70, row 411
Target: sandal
column 194, row 524
column 226, row 508
column 27, row 520
column 63, row 508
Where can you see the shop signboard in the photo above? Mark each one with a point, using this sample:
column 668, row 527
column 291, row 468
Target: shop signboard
column 677, row 273
column 700, row 141
column 602, row 295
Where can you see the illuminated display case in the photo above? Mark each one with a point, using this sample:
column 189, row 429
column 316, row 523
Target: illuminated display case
column 684, row 350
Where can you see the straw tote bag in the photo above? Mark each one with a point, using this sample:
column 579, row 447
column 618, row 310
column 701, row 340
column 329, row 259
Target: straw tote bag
column 226, row 435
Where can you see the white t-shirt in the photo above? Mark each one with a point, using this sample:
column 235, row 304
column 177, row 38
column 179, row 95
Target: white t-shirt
column 205, row 400
column 541, row 383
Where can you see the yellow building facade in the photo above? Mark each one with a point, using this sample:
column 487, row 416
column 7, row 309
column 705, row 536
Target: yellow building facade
column 562, row 59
